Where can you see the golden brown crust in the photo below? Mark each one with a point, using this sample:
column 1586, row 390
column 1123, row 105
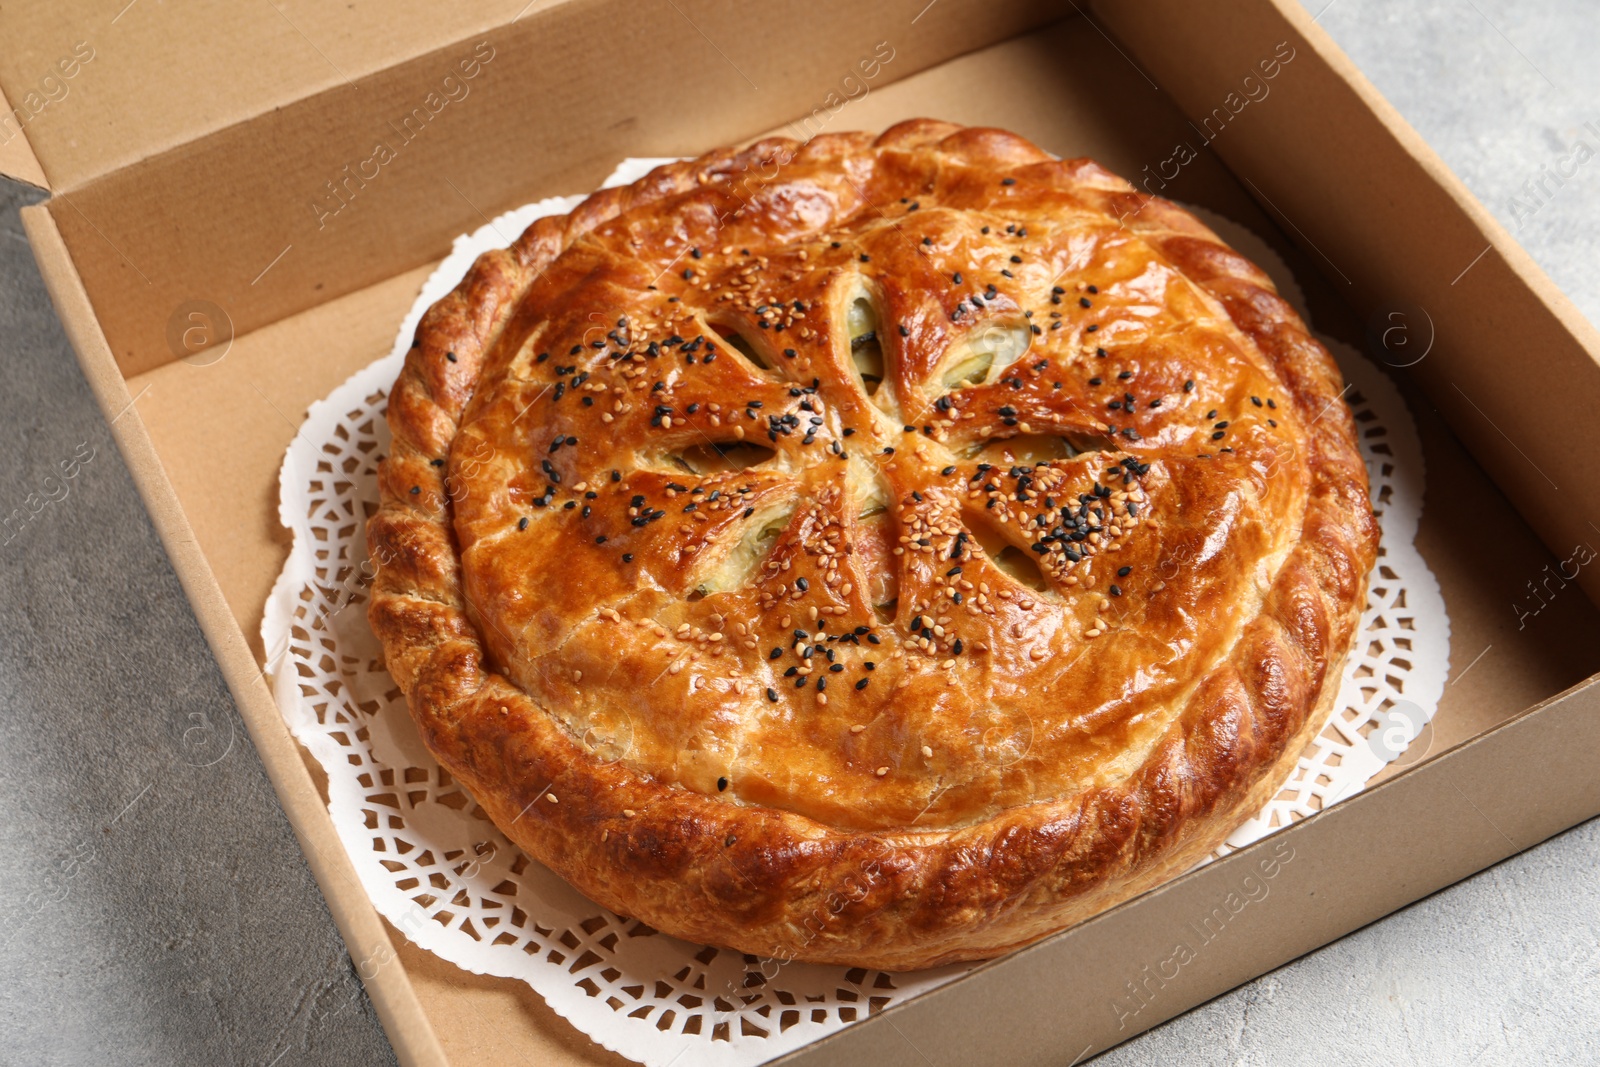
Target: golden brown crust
column 631, row 571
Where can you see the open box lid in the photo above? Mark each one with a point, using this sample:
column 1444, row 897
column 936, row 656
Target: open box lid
column 95, row 87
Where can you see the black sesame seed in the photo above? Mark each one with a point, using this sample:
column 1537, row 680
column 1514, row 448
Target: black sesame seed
column 627, row 557
column 862, row 684
column 1123, row 572
column 522, row 523
column 1116, row 590
column 722, row 783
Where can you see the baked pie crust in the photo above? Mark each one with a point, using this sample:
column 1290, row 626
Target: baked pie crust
column 883, row 551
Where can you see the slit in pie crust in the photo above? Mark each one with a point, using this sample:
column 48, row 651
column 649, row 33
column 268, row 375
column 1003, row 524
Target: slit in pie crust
column 878, row 550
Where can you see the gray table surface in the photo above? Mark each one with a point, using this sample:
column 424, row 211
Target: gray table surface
column 156, row 909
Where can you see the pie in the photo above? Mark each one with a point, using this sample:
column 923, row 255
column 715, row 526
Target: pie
column 874, row 550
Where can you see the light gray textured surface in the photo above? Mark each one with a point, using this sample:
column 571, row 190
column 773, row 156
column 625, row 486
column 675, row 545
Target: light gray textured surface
column 154, row 906
column 156, row 909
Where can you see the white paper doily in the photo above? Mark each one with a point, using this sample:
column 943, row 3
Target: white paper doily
column 437, row 869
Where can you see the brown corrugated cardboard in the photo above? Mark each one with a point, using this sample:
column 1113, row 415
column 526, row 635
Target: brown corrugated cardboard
column 204, row 437
column 16, row 154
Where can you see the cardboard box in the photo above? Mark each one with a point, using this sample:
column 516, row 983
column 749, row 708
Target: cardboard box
column 219, row 162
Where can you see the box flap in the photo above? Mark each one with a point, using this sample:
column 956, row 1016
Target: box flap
column 16, row 154
column 101, row 85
